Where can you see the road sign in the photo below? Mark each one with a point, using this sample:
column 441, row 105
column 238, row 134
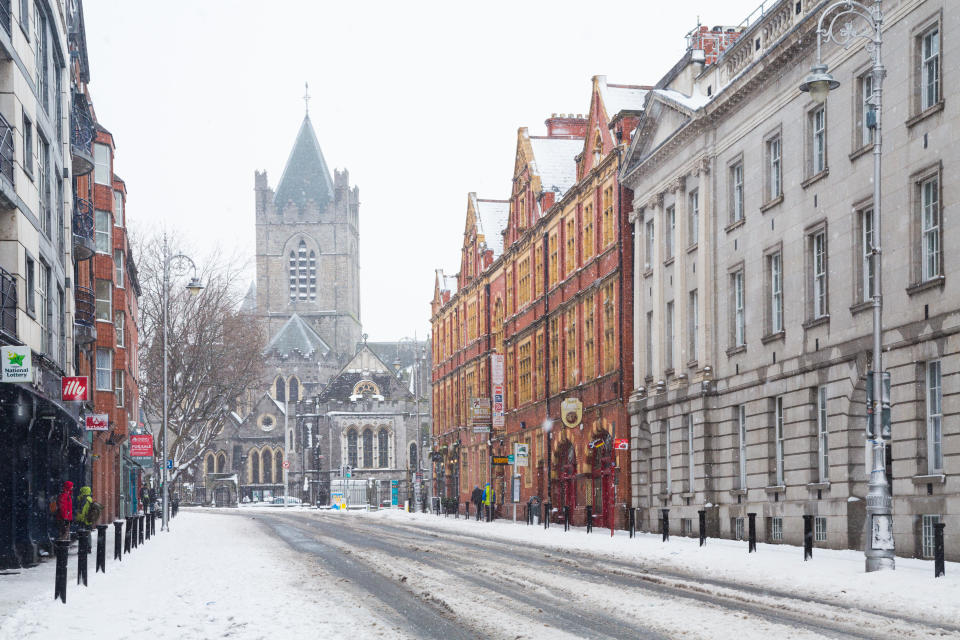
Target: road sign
column 169, row 464
column 511, row 459
column 501, row 460
column 286, row 464
column 497, row 417
column 521, row 453
column 621, row 444
column 74, row 388
column 15, row 364
column 141, row 446
column 98, row 422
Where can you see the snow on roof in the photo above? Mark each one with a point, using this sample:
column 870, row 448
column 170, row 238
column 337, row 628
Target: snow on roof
column 555, row 162
column 492, row 216
column 621, row 97
column 693, row 102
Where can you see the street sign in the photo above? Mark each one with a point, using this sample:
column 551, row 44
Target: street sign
column 621, row 444
column 511, row 459
column 497, row 417
column 481, row 428
column 479, row 411
column 521, row 453
column 394, row 493
column 141, row 446
column 286, row 464
column 98, row 422
column 504, row 460
column 169, row 464
column 74, row 388
column 15, row 364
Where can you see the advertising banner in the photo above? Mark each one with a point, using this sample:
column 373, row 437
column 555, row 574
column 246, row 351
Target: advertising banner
column 74, row 388
column 16, row 364
column 479, row 411
column 98, row 422
column 141, row 446
column 496, row 368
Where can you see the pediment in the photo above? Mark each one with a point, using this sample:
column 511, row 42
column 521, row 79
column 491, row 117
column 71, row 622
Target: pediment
column 662, row 118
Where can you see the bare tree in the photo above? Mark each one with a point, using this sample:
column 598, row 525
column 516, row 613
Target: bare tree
column 214, row 351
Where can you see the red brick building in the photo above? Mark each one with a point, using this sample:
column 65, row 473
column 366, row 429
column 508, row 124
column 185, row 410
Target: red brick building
column 544, row 282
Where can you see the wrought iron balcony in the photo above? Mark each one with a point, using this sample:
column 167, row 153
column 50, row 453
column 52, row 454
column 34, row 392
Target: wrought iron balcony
column 84, row 315
column 81, row 137
column 8, row 307
column 84, row 243
column 5, row 15
column 6, row 163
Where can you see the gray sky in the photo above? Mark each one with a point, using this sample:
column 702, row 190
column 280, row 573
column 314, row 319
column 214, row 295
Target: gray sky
column 421, row 101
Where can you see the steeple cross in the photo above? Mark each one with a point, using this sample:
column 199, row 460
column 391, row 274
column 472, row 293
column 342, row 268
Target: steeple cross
column 306, row 97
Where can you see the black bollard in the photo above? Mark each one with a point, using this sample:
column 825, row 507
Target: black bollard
column 752, row 532
column 546, row 515
column 140, row 522
column 589, row 518
column 703, row 526
column 665, row 524
column 938, row 564
column 146, row 522
column 807, row 537
column 118, row 540
column 126, row 535
column 153, row 522
column 61, row 548
column 134, row 537
column 101, row 548
column 83, row 549
column 566, row 518
column 632, row 519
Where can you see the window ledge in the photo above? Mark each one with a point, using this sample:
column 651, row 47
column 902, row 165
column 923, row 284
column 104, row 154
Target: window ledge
column 779, row 336
column 648, row 272
column 776, row 488
column 815, row 178
column 732, row 351
column 688, row 494
column 816, row 322
column 860, row 307
column 772, row 204
column 935, row 478
column 734, row 225
column 926, row 113
column 668, row 261
column 856, row 153
column 668, row 373
column 815, row 486
column 738, row 492
column 932, row 283
column 692, row 364
column 692, row 248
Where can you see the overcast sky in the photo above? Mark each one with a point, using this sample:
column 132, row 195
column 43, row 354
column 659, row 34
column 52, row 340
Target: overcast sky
column 421, row 101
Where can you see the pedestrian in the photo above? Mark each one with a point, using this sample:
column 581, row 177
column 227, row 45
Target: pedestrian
column 88, row 510
column 64, row 512
column 477, row 499
column 487, row 497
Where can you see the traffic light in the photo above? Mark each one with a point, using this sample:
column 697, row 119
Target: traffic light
column 885, row 431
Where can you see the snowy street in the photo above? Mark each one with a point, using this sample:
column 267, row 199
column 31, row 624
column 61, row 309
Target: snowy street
column 257, row 572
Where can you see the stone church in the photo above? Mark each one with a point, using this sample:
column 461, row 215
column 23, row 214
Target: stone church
column 307, row 298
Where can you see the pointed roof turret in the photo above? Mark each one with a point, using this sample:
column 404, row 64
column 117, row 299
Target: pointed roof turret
column 296, row 337
column 305, row 177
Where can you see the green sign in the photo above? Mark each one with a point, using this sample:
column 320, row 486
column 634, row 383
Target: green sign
column 16, row 364
column 510, row 458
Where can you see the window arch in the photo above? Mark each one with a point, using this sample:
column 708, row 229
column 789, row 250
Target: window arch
column 280, row 390
column 413, row 456
column 294, row 386
column 367, row 448
column 221, row 463
column 266, row 461
column 278, row 467
column 254, row 467
column 352, row 447
column 302, row 270
column 383, row 440
column 210, row 463
column 290, row 442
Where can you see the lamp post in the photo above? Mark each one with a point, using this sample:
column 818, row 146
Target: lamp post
column 855, row 21
column 194, row 287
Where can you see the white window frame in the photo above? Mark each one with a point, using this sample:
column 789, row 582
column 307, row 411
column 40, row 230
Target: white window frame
column 693, row 326
column 930, row 228
column 736, row 187
column 118, row 385
column 776, row 529
column 671, row 230
column 668, row 461
column 818, row 140
column 691, row 465
column 101, row 164
column 818, row 247
column 118, row 328
column 927, row 534
column 776, row 292
column 107, row 316
column 668, row 335
column 742, row 446
column 739, row 310
column 650, row 343
column 694, row 216
column 651, row 239
column 866, row 106
column 117, row 209
column 778, row 439
column 823, row 436
column 774, row 167
column 930, row 68
column 934, row 389
column 104, row 369
column 102, row 231
column 738, row 528
column 866, row 244
column 118, row 268
column 820, row 529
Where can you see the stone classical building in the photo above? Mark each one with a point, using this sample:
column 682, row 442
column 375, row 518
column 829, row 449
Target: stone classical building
column 753, row 223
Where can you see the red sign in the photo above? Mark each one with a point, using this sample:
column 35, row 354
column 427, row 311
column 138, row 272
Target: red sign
column 74, row 388
column 286, row 464
column 98, row 422
column 621, row 444
column 141, row 446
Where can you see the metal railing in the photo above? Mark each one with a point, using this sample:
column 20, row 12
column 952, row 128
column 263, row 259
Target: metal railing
column 6, row 149
column 85, row 306
column 82, row 130
column 8, row 304
column 5, row 15
column 83, row 220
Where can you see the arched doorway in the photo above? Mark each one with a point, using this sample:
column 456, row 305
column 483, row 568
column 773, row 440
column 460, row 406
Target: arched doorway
column 565, row 460
column 601, row 475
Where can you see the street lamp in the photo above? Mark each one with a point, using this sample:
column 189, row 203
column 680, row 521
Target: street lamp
column 194, row 287
column 855, row 20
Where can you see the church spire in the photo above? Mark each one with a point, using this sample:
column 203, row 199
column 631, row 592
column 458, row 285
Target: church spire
column 306, row 99
column 306, row 176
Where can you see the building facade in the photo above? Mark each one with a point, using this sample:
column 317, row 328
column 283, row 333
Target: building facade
column 541, row 286
column 753, row 233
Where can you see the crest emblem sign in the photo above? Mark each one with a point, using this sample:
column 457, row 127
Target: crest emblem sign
column 571, row 412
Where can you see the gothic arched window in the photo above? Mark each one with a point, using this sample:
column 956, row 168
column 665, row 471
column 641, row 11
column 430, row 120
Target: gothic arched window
column 313, row 276
column 367, row 448
column 281, row 390
column 221, row 463
column 210, row 463
column 293, row 276
column 278, row 467
column 383, row 440
column 294, row 394
column 254, row 467
column 302, row 269
column 352, row 448
column 266, row 459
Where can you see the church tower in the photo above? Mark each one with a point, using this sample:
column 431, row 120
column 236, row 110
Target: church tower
column 307, row 252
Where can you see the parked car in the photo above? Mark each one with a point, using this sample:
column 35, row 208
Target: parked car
column 278, row 500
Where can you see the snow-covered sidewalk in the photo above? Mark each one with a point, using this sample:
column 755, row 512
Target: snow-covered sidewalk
column 836, row 576
column 211, row 576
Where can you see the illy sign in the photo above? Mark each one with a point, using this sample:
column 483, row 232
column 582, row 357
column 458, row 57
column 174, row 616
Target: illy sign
column 74, row 388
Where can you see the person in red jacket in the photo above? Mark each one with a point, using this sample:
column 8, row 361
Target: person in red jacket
column 65, row 510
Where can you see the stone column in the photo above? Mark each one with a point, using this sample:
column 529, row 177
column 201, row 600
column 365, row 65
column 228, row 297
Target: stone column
column 707, row 288
column 680, row 293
